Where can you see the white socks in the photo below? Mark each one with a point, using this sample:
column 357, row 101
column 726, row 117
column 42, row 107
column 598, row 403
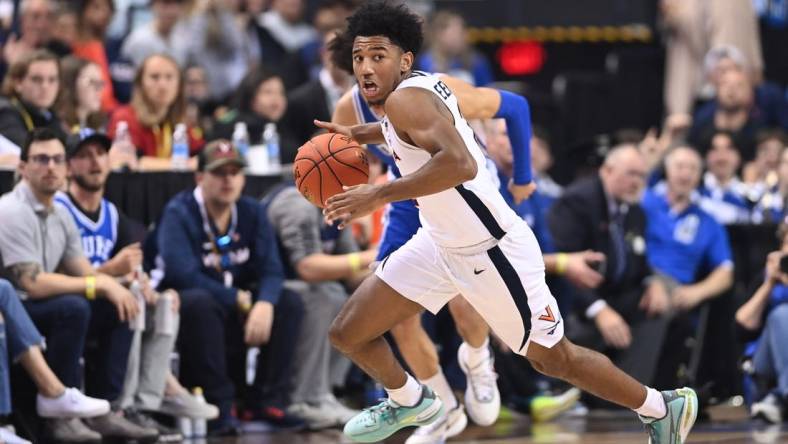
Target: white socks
column 407, row 395
column 441, row 387
column 475, row 356
column 654, row 407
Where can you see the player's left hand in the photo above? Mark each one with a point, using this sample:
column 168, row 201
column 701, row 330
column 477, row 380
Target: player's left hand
column 521, row 192
column 686, row 297
column 357, row 201
column 257, row 330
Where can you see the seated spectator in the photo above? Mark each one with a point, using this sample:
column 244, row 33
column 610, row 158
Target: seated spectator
column 42, row 253
column 761, row 174
column 684, row 242
column 157, row 105
column 625, row 315
column 79, row 103
column 329, row 16
column 317, row 259
column 769, row 100
column 450, row 53
column 317, row 98
column 534, row 209
column 30, row 88
column 219, row 252
column 94, row 17
column 735, row 112
column 64, row 24
column 108, row 240
column 22, row 343
column 542, row 161
column 722, row 194
column 761, row 322
column 260, row 100
column 168, row 33
column 35, row 26
column 771, row 206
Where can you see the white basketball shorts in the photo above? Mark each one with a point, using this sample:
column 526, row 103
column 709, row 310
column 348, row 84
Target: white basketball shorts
column 505, row 284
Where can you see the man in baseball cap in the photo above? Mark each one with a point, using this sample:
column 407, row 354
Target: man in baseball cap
column 218, row 154
column 86, row 136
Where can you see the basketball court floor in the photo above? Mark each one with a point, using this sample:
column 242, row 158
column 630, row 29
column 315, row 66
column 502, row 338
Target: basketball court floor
column 729, row 425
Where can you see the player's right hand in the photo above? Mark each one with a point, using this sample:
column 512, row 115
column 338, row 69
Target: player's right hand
column 123, row 300
column 614, row 328
column 334, row 127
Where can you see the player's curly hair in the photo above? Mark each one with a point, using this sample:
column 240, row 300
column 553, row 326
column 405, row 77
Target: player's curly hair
column 378, row 17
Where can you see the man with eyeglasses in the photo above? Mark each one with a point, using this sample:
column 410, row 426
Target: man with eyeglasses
column 218, row 250
column 109, row 240
column 67, row 299
column 29, row 90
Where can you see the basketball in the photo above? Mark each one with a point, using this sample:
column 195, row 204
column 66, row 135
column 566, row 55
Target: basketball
column 326, row 163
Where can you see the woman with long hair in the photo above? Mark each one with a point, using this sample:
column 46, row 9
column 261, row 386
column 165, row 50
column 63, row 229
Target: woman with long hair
column 157, row 106
column 260, row 100
column 79, row 103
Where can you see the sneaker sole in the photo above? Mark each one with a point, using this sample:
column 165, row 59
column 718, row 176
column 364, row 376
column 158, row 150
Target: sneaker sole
column 690, row 413
column 64, row 415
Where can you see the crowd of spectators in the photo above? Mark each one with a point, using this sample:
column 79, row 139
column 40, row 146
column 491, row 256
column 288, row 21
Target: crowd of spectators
column 242, row 291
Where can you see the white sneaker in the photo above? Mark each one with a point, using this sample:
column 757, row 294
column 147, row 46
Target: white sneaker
column 341, row 412
column 8, row 436
column 316, row 417
column 769, row 409
column 448, row 425
column 71, row 404
column 482, row 399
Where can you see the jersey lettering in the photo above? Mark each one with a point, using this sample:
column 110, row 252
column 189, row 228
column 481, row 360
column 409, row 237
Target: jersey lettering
column 442, row 90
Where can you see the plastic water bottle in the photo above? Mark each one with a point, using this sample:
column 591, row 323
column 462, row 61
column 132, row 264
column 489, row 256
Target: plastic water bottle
column 241, row 138
column 122, row 144
column 180, row 148
column 271, row 142
column 199, row 426
column 138, row 322
column 251, row 364
column 185, row 427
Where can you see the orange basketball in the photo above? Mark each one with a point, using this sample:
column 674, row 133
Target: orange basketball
column 326, row 163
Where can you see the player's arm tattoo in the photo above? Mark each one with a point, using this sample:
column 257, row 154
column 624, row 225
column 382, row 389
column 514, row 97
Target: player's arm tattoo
column 24, row 271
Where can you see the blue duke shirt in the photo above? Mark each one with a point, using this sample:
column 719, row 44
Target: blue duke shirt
column 682, row 245
column 99, row 235
column 192, row 258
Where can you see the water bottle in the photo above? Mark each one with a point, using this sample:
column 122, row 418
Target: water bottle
column 180, row 148
column 199, row 426
column 251, row 364
column 138, row 322
column 271, row 142
column 122, row 143
column 185, row 427
column 241, row 138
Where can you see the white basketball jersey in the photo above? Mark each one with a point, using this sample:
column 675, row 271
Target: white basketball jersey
column 471, row 214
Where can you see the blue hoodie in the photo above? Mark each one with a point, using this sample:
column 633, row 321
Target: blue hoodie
column 192, row 260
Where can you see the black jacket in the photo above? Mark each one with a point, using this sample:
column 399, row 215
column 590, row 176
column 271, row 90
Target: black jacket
column 579, row 220
column 306, row 103
column 12, row 123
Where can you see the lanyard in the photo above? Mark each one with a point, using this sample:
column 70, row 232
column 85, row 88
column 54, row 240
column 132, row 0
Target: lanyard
column 219, row 246
column 163, row 138
column 25, row 115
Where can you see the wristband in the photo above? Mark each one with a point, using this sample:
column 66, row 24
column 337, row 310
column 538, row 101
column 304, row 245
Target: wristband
column 561, row 263
column 90, row 287
column 354, row 260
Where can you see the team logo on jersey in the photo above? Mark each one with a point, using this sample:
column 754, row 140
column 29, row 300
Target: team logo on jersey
column 549, row 316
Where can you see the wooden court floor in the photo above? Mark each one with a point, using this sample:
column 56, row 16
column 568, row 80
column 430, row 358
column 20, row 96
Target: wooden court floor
column 727, row 427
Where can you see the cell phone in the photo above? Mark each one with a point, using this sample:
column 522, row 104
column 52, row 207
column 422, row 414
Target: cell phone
column 784, row 263
column 599, row 266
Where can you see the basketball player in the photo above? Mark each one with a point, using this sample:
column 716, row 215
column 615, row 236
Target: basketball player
column 482, row 398
column 470, row 243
